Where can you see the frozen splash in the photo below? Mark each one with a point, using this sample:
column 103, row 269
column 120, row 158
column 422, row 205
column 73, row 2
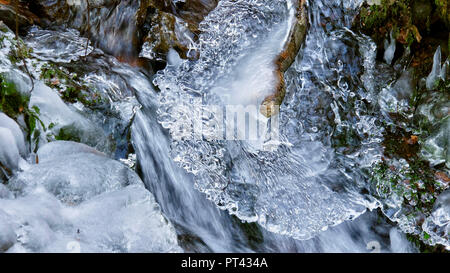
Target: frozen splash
column 307, row 182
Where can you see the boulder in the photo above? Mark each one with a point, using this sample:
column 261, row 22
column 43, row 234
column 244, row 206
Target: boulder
column 9, row 13
column 51, row 11
column 168, row 32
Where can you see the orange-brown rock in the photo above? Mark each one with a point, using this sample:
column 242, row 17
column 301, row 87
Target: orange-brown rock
column 24, row 16
column 271, row 104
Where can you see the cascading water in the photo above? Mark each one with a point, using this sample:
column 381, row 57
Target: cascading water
column 305, row 190
column 302, row 187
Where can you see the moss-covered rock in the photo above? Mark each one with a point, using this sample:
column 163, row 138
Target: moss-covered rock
column 443, row 7
column 166, row 33
column 418, row 27
column 69, row 86
column 271, row 104
column 50, row 11
column 397, row 16
column 12, row 102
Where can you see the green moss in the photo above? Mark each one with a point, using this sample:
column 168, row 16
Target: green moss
column 404, row 173
column 19, row 51
column 12, row 102
column 392, row 15
column 67, row 84
column 3, row 28
column 443, row 86
column 251, row 231
column 443, row 7
column 68, row 134
column 416, row 179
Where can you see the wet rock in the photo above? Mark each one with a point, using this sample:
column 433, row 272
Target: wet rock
column 271, row 103
column 174, row 26
column 421, row 13
column 110, row 25
column 194, row 11
column 51, row 11
column 168, row 32
column 23, row 15
column 190, row 11
column 64, row 122
column 121, row 27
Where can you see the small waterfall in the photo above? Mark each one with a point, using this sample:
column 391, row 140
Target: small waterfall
column 300, row 187
column 299, row 190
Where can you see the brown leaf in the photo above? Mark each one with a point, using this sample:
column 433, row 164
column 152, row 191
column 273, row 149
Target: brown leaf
column 416, row 33
column 442, row 177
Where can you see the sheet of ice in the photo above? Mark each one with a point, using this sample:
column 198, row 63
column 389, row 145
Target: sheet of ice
column 438, row 224
column 9, row 152
column 435, row 147
column 10, row 124
column 84, row 202
column 4, row 192
column 75, row 177
column 57, row 46
column 54, row 111
column 395, row 97
column 62, row 148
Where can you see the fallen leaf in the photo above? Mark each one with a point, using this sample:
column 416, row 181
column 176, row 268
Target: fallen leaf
column 442, row 177
column 416, row 33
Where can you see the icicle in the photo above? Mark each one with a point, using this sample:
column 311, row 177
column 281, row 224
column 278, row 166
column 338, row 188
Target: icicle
column 436, row 71
column 445, row 72
column 389, row 49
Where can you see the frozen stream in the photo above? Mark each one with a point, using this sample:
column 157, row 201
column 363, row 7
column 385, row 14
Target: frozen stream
column 171, row 190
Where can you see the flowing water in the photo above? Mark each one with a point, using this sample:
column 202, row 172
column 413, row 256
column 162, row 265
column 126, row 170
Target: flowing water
column 306, row 191
column 305, row 185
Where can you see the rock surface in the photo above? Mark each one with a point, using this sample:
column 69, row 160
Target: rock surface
column 9, row 14
column 9, row 152
column 7, row 122
column 297, row 35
